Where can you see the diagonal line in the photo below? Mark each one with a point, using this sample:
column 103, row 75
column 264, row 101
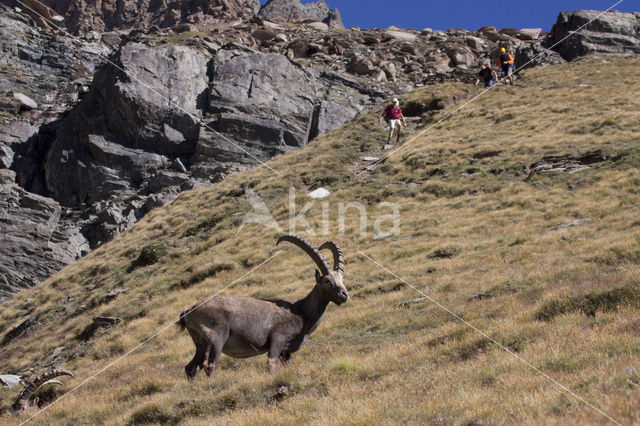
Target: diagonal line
column 400, row 148
column 148, row 339
column 172, row 103
column 476, row 329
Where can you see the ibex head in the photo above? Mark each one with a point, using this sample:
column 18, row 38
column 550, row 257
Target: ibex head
column 329, row 281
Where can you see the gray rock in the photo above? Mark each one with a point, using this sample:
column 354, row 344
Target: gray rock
column 382, row 236
column 534, row 54
column 294, row 11
column 571, row 224
column 460, row 55
column 160, row 86
column 84, row 16
column 361, row 66
column 25, row 101
column 529, row 33
column 10, row 380
column 92, row 36
column 166, row 179
column 269, row 101
column 29, row 250
column 614, row 32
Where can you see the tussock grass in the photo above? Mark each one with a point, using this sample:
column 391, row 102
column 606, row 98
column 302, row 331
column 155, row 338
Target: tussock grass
column 474, row 235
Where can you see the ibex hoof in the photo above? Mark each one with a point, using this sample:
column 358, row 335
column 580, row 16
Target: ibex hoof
column 191, row 371
column 210, row 370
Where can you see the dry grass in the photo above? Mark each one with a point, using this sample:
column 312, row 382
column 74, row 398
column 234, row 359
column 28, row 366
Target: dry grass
column 476, row 237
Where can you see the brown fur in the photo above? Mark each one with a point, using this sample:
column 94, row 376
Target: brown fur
column 243, row 327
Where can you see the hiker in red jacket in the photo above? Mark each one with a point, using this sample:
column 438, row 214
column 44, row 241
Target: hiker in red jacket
column 393, row 115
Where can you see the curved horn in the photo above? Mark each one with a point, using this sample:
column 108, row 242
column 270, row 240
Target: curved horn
column 338, row 257
column 310, row 249
column 33, row 385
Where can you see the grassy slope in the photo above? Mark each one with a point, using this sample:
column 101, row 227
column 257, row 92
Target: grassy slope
column 544, row 293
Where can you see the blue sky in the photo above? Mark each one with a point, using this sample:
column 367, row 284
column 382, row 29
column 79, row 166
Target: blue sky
column 467, row 14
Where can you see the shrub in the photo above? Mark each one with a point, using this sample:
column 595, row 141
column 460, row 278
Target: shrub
column 590, row 303
column 205, row 225
column 148, row 256
column 152, row 413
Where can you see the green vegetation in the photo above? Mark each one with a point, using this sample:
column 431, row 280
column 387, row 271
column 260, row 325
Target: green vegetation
column 474, row 236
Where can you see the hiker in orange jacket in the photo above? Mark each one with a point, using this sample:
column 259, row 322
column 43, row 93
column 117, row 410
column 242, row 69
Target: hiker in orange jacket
column 393, row 114
column 506, row 63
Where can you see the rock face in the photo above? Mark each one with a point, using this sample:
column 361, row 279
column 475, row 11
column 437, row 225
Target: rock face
column 82, row 16
column 613, row 32
column 31, row 233
column 293, row 11
column 131, row 120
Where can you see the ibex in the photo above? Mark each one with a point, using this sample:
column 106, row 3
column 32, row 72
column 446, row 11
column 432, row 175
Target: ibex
column 243, row 327
column 31, row 386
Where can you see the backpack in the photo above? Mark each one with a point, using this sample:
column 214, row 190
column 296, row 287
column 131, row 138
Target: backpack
column 388, row 113
column 506, row 59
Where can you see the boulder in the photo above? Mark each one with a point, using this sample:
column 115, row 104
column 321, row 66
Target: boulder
column 401, row 35
column 360, row 65
column 167, row 179
column 440, row 62
column 263, row 35
column 10, row 380
column 294, row 11
column 43, row 16
column 390, row 70
column 261, row 99
column 461, row 56
column 476, row 43
column 534, row 54
column 612, row 32
column 529, row 33
column 26, row 103
column 319, row 26
column 299, row 47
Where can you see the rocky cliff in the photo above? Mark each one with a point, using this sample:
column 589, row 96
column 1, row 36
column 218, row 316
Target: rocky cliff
column 612, row 32
column 97, row 131
column 82, row 16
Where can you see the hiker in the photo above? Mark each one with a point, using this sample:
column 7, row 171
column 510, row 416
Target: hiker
column 488, row 76
column 393, row 114
column 506, row 63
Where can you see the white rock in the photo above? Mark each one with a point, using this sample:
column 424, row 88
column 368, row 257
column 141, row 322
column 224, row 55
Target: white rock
column 531, row 33
column 320, row 26
column 26, row 101
column 10, row 380
column 572, row 224
column 401, row 35
column 272, row 26
column 173, row 135
column 319, row 193
column 369, row 158
column 382, row 236
column 92, row 36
